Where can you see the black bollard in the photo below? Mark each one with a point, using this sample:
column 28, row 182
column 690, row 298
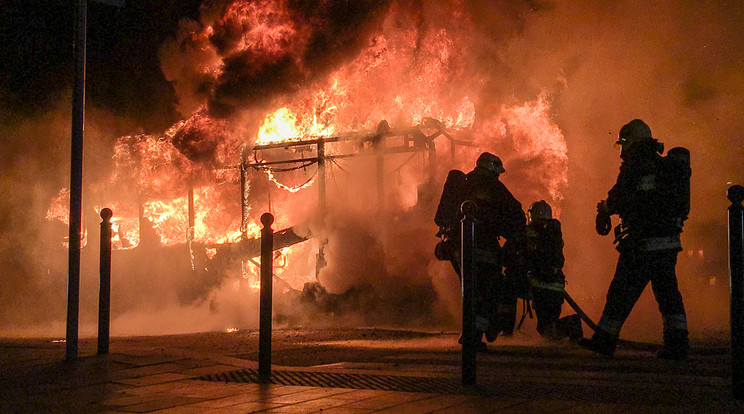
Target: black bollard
column 467, row 252
column 104, row 288
column 264, row 323
column 736, row 273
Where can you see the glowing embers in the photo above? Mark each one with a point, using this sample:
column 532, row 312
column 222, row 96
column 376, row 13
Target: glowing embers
column 213, row 223
column 59, row 210
column 283, row 125
column 215, row 218
column 125, row 232
column 293, row 267
column 59, row 207
column 124, row 226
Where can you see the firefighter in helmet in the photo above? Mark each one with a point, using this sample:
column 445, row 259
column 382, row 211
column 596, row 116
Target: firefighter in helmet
column 542, row 255
column 543, row 259
column 651, row 197
column 499, row 215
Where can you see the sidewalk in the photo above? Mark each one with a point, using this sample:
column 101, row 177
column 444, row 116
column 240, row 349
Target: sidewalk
column 207, row 373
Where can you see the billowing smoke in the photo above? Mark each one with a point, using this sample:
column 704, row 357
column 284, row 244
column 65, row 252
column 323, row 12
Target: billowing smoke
column 243, row 54
column 545, row 85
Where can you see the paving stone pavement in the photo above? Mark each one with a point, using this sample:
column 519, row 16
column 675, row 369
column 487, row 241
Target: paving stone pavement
column 137, row 377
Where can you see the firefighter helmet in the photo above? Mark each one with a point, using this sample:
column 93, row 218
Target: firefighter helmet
column 490, row 162
column 632, row 132
column 539, row 210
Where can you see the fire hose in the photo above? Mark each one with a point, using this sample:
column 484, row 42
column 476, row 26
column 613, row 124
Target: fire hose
column 584, row 317
column 593, row 326
column 561, row 289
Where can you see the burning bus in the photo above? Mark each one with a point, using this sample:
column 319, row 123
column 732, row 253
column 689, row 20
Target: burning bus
column 348, row 152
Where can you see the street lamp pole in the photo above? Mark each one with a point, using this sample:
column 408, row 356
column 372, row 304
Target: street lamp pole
column 76, row 181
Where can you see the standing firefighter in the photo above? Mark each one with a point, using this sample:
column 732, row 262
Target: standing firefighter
column 542, row 253
column 499, row 215
column 652, row 198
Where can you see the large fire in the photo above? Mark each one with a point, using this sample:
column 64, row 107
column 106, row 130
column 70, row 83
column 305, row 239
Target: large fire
column 184, row 186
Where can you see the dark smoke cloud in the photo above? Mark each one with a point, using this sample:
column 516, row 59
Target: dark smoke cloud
column 339, row 29
column 244, row 82
column 318, row 37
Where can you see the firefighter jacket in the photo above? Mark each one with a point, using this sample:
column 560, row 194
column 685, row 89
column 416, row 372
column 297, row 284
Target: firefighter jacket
column 650, row 198
column 499, row 213
column 543, row 251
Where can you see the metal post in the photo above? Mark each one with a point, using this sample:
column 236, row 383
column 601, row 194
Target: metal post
column 192, row 216
column 264, row 327
column 379, row 144
column 467, row 246
column 736, row 273
column 191, row 230
column 432, row 162
column 244, row 191
column 321, row 176
column 104, row 290
column 381, row 178
column 320, row 258
column 76, row 182
column 452, row 148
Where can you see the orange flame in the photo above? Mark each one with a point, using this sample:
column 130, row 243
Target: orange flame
column 265, row 25
column 406, row 73
column 171, row 221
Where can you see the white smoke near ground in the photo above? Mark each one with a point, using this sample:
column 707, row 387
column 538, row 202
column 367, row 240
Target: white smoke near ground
column 578, row 70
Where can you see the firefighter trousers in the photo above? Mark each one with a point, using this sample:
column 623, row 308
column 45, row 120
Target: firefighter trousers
column 547, row 304
column 635, row 269
column 489, row 289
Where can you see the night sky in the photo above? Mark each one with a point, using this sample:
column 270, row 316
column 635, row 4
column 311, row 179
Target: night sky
column 123, row 71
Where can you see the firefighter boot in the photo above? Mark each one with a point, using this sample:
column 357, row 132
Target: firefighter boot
column 480, row 346
column 570, row 326
column 601, row 343
column 481, row 324
column 507, row 316
column 676, row 345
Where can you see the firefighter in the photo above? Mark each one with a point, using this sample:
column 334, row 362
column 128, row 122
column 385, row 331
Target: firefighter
column 543, row 257
column 499, row 215
column 651, row 197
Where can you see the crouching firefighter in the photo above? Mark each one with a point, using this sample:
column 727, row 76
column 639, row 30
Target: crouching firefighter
column 542, row 252
column 498, row 215
column 652, row 198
